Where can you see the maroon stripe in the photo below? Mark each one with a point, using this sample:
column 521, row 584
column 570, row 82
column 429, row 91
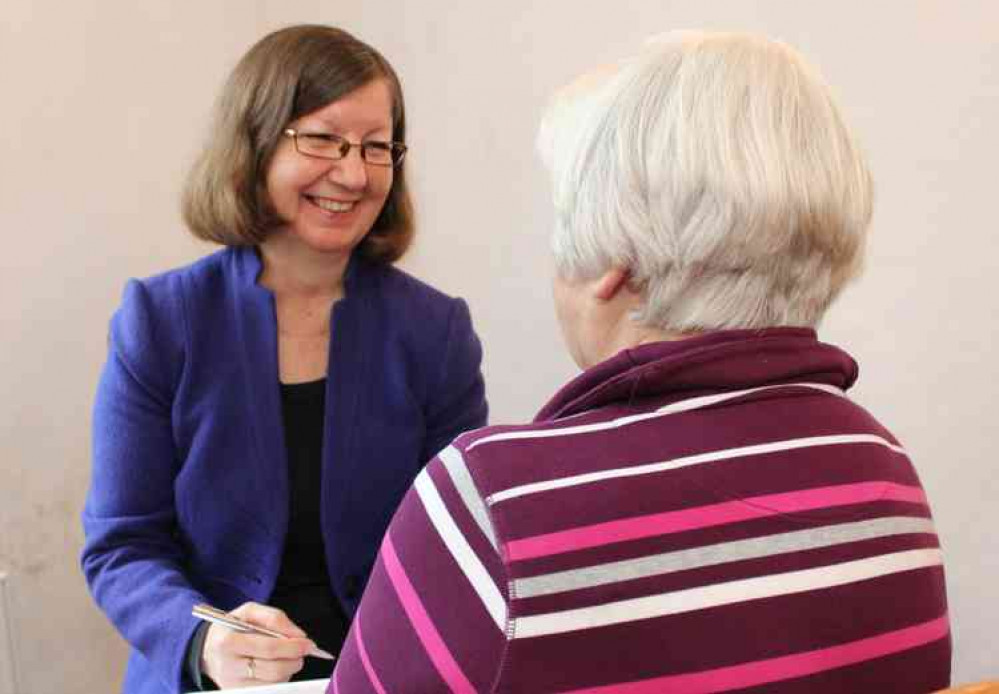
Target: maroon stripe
column 676, row 490
column 773, row 420
column 914, row 671
column 738, row 633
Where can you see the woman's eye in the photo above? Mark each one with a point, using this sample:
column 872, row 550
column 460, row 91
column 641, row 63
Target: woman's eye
column 378, row 152
column 318, row 140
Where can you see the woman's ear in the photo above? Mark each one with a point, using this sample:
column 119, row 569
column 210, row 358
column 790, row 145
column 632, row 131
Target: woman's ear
column 611, row 283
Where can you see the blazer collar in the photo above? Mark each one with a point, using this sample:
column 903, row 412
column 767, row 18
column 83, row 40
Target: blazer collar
column 247, row 266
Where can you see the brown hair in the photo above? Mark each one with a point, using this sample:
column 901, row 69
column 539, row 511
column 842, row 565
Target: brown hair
column 287, row 74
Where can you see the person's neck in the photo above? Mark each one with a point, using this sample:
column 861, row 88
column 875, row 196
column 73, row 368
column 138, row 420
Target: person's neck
column 632, row 337
column 624, row 332
column 292, row 269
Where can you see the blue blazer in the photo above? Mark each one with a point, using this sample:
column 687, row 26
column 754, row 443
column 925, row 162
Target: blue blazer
column 188, row 501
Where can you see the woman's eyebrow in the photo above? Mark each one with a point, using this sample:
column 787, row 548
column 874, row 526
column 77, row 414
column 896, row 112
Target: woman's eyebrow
column 328, row 126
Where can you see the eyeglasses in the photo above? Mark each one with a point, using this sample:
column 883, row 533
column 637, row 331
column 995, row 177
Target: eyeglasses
column 330, row 146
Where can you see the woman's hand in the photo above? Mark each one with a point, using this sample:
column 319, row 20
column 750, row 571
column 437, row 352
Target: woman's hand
column 234, row 659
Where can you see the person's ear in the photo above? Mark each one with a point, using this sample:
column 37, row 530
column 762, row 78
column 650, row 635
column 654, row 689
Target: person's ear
column 610, row 284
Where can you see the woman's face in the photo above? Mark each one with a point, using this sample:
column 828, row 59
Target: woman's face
column 329, row 205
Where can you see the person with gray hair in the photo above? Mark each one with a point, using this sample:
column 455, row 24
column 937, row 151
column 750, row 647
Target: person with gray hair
column 703, row 509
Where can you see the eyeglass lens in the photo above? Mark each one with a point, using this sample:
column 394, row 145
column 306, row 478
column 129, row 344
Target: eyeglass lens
column 330, row 146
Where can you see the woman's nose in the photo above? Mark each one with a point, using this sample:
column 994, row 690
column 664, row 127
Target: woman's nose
column 350, row 171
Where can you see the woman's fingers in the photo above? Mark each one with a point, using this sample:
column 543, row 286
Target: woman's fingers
column 268, row 617
column 248, row 671
column 270, row 671
column 262, row 647
column 236, row 659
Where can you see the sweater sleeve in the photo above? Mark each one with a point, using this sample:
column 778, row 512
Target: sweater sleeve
column 458, row 402
column 132, row 557
column 434, row 615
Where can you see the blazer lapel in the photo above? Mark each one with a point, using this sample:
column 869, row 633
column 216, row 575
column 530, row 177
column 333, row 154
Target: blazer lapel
column 347, row 374
column 256, row 348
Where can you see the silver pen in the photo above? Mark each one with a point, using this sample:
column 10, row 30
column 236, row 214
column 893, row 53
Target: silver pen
column 210, row 614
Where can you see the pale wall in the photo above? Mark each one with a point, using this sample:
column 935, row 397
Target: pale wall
column 104, row 104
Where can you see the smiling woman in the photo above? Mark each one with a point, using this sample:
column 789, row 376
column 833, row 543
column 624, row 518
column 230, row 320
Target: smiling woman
column 329, row 201
column 263, row 410
column 302, row 75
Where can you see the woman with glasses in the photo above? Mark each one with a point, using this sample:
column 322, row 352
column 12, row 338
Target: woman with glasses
column 263, row 410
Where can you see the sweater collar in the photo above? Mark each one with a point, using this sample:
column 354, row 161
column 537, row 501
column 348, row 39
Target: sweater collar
column 710, row 363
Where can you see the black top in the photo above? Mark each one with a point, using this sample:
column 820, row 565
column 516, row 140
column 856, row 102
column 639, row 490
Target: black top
column 303, row 585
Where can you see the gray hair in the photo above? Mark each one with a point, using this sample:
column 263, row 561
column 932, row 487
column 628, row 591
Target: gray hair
column 718, row 170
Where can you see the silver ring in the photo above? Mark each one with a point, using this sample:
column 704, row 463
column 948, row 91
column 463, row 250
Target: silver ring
column 251, row 673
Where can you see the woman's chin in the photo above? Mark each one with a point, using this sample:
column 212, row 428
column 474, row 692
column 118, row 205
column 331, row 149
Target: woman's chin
column 324, row 240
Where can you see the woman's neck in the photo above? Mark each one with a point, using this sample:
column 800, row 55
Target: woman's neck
column 292, row 269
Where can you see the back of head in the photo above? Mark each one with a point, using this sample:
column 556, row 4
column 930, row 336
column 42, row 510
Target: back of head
column 718, row 170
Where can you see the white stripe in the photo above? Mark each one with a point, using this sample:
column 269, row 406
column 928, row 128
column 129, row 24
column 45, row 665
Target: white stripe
column 687, row 461
column 672, row 408
column 720, row 553
column 463, row 554
column 462, row 480
column 706, row 597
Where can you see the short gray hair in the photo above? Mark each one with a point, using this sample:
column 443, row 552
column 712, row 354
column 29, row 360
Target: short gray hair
column 718, row 170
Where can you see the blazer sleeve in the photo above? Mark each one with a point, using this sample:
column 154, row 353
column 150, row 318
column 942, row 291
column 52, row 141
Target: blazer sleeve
column 433, row 617
column 457, row 402
column 132, row 555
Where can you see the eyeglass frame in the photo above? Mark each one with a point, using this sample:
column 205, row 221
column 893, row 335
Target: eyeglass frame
column 346, row 145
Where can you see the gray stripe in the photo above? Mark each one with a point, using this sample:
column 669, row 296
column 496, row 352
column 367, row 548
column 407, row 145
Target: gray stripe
column 469, row 493
column 712, row 555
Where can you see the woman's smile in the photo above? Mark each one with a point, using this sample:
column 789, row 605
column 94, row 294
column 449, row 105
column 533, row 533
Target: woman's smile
column 329, row 204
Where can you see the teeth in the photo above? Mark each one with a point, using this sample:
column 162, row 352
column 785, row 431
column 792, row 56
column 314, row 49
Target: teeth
column 333, row 205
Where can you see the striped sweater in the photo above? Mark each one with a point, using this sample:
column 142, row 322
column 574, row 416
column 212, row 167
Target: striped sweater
column 706, row 515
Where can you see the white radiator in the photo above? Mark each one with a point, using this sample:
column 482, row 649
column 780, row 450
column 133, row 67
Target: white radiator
column 8, row 655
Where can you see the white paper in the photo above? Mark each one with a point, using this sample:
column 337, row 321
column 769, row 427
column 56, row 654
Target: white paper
column 306, row 687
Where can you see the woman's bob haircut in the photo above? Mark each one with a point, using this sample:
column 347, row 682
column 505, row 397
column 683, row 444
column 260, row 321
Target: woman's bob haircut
column 286, row 75
column 716, row 169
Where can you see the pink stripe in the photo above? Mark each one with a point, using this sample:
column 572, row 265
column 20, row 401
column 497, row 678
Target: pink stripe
column 431, row 639
column 786, row 667
column 709, row 516
column 900, row 492
column 365, row 660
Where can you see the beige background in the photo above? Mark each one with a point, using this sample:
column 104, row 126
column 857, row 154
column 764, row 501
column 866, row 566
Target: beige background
column 104, row 102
